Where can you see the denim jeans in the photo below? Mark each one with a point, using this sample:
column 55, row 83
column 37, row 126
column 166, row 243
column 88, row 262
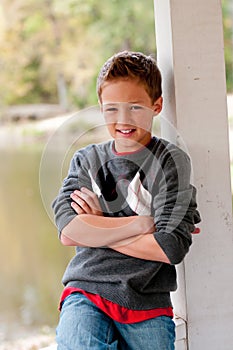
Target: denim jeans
column 83, row 326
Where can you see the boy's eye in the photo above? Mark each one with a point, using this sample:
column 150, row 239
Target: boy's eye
column 136, row 108
column 110, row 110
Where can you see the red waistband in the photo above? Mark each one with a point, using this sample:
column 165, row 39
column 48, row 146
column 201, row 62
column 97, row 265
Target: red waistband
column 117, row 312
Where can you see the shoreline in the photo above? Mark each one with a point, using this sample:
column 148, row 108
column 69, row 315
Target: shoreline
column 28, row 340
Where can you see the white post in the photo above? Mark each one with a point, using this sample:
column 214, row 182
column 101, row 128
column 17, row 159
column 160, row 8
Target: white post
column 190, row 48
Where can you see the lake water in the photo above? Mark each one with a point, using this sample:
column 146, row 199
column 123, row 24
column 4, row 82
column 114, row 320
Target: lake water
column 31, row 256
column 33, row 162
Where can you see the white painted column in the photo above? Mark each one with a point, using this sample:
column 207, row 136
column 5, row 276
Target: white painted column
column 190, row 48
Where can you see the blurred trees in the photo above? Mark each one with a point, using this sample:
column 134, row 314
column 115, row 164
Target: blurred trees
column 227, row 6
column 51, row 50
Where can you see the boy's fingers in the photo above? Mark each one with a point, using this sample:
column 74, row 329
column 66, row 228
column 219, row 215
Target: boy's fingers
column 88, row 201
column 77, row 208
column 89, row 197
column 80, row 204
column 87, row 191
column 83, row 195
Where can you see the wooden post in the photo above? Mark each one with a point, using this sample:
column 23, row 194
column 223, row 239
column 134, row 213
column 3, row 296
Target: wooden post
column 190, row 49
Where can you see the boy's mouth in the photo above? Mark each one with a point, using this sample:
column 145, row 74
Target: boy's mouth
column 126, row 131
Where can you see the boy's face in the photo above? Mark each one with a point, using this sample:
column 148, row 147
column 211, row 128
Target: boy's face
column 128, row 112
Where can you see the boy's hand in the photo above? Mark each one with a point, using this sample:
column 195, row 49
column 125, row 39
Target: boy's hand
column 85, row 202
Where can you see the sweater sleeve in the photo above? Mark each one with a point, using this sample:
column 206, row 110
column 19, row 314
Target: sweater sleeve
column 174, row 206
column 76, row 178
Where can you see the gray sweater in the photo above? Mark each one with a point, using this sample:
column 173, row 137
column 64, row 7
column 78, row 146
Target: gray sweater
column 152, row 181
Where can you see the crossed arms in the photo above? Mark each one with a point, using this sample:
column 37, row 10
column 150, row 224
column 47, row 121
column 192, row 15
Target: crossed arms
column 131, row 235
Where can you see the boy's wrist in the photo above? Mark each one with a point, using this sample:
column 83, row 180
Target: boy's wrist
column 145, row 224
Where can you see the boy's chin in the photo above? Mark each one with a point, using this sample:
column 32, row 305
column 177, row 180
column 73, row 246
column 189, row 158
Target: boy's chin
column 126, row 145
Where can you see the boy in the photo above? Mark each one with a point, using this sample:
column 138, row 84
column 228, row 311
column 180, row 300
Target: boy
column 129, row 208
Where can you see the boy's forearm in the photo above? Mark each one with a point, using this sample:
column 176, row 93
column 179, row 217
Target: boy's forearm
column 142, row 247
column 97, row 231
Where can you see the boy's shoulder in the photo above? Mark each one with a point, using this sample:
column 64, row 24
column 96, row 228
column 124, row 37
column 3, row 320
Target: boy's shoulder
column 94, row 149
column 164, row 147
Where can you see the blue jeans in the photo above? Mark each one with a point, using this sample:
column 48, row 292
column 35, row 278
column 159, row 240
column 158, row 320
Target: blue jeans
column 83, row 326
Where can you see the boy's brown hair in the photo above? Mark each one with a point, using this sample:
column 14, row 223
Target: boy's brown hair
column 132, row 65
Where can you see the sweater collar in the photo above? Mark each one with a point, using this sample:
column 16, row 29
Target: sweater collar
column 140, row 153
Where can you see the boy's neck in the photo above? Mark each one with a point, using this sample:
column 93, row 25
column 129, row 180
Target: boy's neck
column 130, row 151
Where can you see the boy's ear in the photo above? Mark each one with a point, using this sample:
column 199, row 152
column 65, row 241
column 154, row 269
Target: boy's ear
column 158, row 105
column 101, row 106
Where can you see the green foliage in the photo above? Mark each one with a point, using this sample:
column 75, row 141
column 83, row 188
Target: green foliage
column 51, row 50
column 227, row 6
column 71, row 39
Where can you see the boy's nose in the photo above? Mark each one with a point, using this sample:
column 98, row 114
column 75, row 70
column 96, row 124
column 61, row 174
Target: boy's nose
column 123, row 116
